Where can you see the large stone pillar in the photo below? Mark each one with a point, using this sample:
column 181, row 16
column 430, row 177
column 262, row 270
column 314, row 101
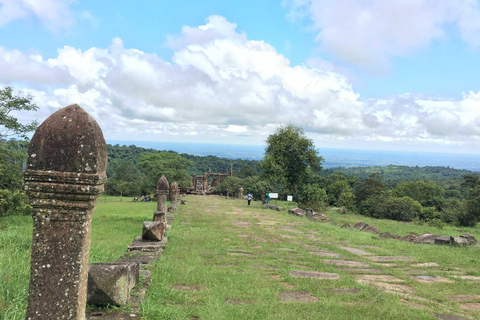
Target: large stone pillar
column 67, row 158
column 162, row 194
column 240, row 193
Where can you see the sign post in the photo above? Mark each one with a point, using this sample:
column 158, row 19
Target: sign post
column 274, row 196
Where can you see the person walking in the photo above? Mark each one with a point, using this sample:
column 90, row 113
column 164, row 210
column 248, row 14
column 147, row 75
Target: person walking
column 249, row 198
column 267, row 197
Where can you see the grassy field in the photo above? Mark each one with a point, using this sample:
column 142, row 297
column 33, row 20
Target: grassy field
column 227, row 260
column 115, row 224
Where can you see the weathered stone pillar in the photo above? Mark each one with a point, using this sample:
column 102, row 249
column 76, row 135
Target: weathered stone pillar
column 174, row 192
column 240, row 193
column 67, row 158
column 162, row 194
column 262, row 196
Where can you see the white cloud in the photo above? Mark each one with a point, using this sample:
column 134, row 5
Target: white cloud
column 229, row 88
column 370, row 32
column 53, row 14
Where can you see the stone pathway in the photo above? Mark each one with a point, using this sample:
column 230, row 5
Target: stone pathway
column 305, row 265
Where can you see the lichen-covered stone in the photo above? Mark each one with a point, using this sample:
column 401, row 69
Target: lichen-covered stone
column 153, row 230
column 360, row 225
column 162, row 194
column 65, row 174
column 111, row 283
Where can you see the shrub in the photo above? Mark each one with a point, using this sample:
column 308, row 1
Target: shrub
column 312, row 196
column 15, row 202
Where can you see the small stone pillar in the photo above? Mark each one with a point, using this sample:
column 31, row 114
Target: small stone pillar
column 262, row 196
column 240, row 193
column 162, row 193
column 309, row 213
column 65, row 174
column 174, row 192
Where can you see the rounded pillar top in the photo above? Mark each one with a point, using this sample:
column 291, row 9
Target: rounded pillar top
column 174, row 186
column 162, row 184
column 70, row 140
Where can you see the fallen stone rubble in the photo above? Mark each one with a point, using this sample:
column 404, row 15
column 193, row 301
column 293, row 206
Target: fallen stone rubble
column 427, row 238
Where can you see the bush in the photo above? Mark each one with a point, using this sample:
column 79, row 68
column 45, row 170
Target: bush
column 470, row 213
column 387, row 207
column 437, row 223
column 15, row 202
column 429, row 213
column 312, row 196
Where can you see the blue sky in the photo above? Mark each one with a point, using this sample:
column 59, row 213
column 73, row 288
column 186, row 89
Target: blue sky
column 399, row 75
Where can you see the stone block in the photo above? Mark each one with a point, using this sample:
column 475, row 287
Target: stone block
column 309, row 213
column 409, row 237
column 159, row 216
column 360, row 225
column 345, row 226
column 388, row 235
column 371, row 229
column 280, row 209
column 111, row 283
column 153, row 230
column 471, row 239
column 426, row 238
column 444, row 240
column 183, row 201
column 297, row 211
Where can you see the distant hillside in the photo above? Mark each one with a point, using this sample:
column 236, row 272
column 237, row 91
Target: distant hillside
column 394, row 174
column 201, row 164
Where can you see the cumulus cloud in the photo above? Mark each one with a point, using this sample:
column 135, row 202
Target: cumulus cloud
column 369, row 32
column 54, row 14
column 222, row 86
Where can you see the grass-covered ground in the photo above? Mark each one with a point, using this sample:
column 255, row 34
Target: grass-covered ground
column 227, row 260
column 115, row 225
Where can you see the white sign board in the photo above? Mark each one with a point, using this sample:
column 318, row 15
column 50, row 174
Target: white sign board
column 289, row 198
column 273, row 195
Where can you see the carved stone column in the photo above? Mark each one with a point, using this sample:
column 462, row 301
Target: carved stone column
column 162, row 194
column 67, row 158
column 174, row 192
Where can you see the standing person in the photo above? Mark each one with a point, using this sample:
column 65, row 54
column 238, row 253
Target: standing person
column 267, row 197
column 249, row 198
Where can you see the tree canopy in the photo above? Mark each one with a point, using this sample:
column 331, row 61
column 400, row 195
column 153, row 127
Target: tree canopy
column 288, row 155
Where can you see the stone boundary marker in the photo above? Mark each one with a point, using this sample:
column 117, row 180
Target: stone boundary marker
column 67, row 158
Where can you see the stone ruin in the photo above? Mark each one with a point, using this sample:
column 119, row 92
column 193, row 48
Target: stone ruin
column 174, row 195
column 154, row 230
column 65, row 174
column 240, row 194
column 208, row 181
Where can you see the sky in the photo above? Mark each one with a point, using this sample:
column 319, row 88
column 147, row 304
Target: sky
column 365, row 74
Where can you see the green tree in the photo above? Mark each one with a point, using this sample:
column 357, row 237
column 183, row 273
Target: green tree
column 169, row 164
column 13, row 153
column 372, row 186
column 230, row 184
column 427, row 193
column 288, row 155
column 9, row 125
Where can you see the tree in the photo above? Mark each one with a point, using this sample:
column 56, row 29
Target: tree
column 288, row 155
column 169, row 164
column 372, row 186
column 9, row 125
column 13, row 153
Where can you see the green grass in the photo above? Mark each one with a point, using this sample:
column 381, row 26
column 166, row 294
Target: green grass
column 196, row 255
column 115, row 224
column 203, row 233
